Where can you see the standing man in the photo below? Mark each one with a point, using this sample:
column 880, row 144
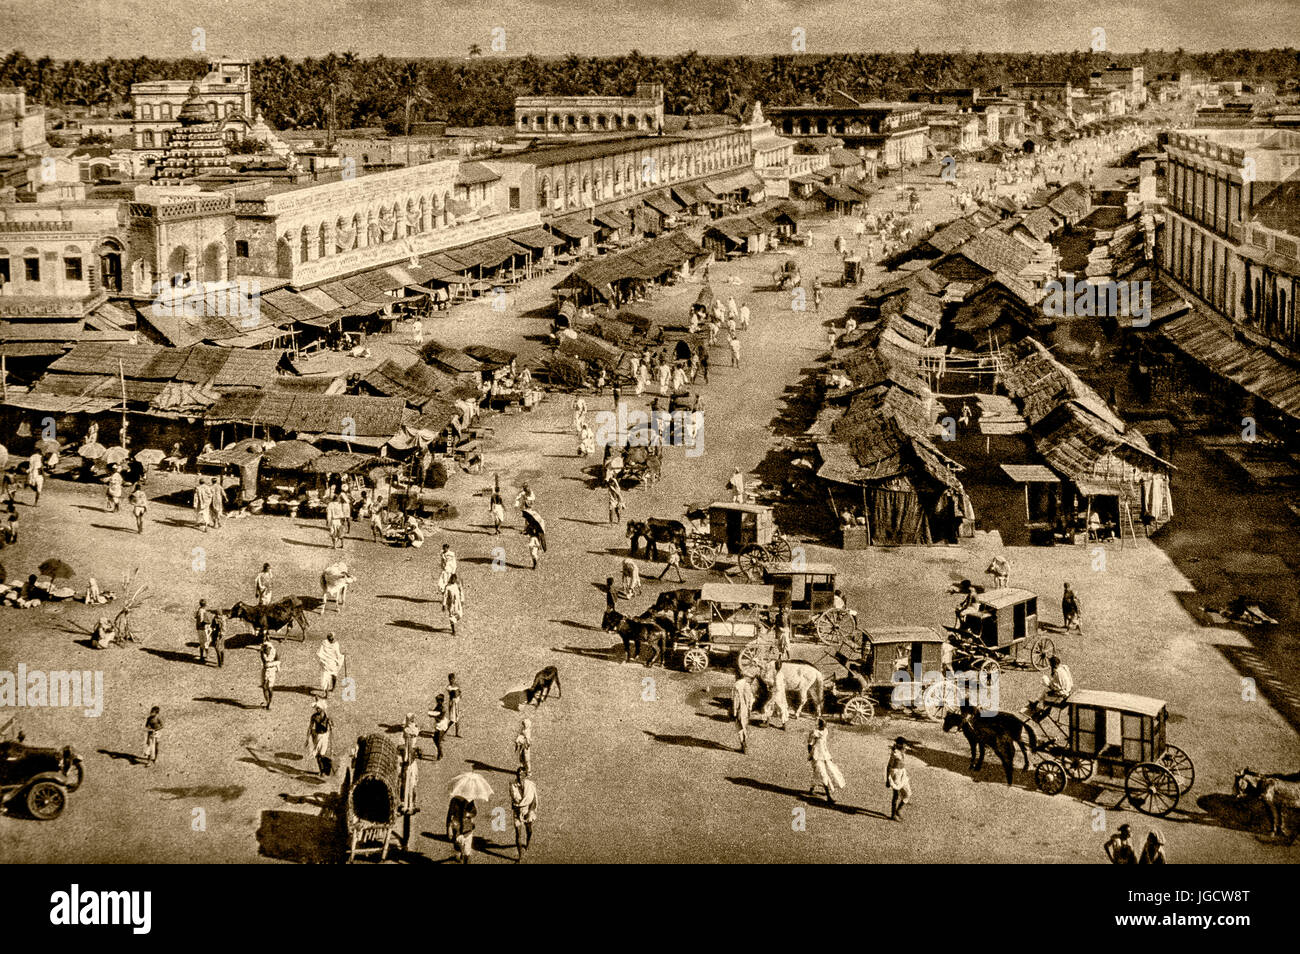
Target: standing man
column 334, row 520
column 318, row 738
column 744, row 317
column 896, row 779
column 270, row 669
column 332, row 662
column 615, row 500
column 453, row 601
column 742, row 705
column 1070, row 609
column 114, row 489
column 674, row 563
column 153, row 727
column 262, row 585
column 218, row 507
column 448, row 561
column 202, row 504
column 734, row 342
column 219, row 638
column 825, row 771
column 523, row 804
column 36, row 475
column 534, row 549
column 139, row 507
column 524, row 746
column 453, row 703
column 737, row 485
column 704, row 364
column 203, row 626
column 497, row 510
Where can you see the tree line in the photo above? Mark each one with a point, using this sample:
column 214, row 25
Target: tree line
column 479, row 90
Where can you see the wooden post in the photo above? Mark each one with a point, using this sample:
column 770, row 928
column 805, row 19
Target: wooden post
column 4, row 378
column 866, row 513
column 121, row 377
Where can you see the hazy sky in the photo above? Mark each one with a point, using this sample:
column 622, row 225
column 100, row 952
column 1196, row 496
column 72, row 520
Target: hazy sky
column 97, row 28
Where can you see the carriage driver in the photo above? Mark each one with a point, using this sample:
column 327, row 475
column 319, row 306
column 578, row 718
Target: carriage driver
column 1059, row 685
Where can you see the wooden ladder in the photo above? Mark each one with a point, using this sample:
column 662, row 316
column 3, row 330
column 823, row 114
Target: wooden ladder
column 1126, row 518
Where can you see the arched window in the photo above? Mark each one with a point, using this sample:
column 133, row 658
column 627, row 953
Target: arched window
column 585, row 121
column 569, row 123
column 304, row 245
column 424, row 214
column 618, row 122
column 543, row 192
column 446, row 209
column 649, row 121
column 601, row 121
column 356, row 230
column 631, row 122
column 321, row 238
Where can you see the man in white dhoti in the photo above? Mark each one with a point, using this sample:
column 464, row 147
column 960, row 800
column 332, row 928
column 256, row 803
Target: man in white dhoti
column 825, row 772
column 448, row 567
column 331, row 659
column 318, row 738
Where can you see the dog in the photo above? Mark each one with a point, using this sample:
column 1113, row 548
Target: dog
column 541, row 687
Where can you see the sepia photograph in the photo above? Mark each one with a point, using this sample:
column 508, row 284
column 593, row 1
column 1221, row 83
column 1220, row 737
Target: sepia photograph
column 744, row 432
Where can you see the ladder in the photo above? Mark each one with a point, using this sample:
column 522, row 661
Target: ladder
column 1126, row 519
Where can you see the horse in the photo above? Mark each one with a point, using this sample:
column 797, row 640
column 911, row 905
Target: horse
column 542, row 685
column 1278, row 793
column 274, row 618
column 655, row 531
column 334, row 584
column 633, row 631
column 679, row 602
column 799, row 677
column 1002, row 732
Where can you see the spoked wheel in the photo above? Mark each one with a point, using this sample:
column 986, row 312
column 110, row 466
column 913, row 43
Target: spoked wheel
column 1050, row 777
column 702, row 555
column 833, row 625
column 1152, row 789
column 755, row 656
column 940, row 698
column 859, row 710
column 751, row 563
column 988, row 669
column 825, row 625
column 778, row 551
column 1078, row 768
column 1041, row 652
column 46, row 800
column 1179, row 765
column 696, row 660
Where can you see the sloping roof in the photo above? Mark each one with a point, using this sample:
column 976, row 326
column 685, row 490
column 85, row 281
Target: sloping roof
column 953, row 234
column 996, row 252
column 573, row 226
column 416, row 383
column 334, row 414
column 224, row 368
column 474, row 173
column 1070, row 199
column 1039, row 382
column 1210, row 342
column 456, row 362
column 535, row 238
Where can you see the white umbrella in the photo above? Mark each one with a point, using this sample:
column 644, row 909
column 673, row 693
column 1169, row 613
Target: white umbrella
column 470, row 786
column 115, row 455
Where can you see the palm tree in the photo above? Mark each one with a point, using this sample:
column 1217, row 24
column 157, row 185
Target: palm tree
column 475, row 50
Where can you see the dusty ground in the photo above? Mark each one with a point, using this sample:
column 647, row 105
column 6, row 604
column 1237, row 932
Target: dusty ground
column 628, row 769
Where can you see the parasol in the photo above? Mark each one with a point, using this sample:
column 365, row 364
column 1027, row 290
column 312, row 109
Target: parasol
column 470, row 786
column 150, row 457
column 116, row 455
column 534, row 521
column 56, row 569
column 91, row 451
column 48, row 446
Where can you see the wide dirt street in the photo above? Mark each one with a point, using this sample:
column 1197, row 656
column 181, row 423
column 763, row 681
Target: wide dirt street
column 632, row 764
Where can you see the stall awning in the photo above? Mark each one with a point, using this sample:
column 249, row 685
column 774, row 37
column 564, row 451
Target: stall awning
column 573, row 226
column 538, row 239
column 613, row 220
column 1030, row 474
column 496, row 251
column 660, row 202
column 689, row 195
column 1098, row 488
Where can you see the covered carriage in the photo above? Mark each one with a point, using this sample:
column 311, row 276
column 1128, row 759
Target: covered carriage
column 747, row 531
column 728, row 620
column 994, row 628
column 901, row 668
column 372, row 795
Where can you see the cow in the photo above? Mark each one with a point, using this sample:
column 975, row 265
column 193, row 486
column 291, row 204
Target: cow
column 273, row 618
column 1279, row 793
column 334, row 584
column 542, row 684
column 655, row 531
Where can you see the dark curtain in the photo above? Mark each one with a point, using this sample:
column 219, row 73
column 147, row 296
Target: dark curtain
column 898, row 517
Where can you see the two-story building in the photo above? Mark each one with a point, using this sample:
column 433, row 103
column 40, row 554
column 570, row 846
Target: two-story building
column 566, row 116
column 894, row 132
column 1128, row 80
column 226, row 92
column 1059, row 95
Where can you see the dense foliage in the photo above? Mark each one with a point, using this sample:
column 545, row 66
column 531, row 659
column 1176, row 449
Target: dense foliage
column 480, row 90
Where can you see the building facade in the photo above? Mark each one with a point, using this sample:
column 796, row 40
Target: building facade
column 1129, row 80
column 226, row 92
column 895, row 132
column 22, row 127
column 1055, row 94
column 564, row 116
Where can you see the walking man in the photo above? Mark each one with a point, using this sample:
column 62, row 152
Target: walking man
column 524, row 746
column 497, row 509
column 202, row 504
column 270, row 669
column 153, row 727
column 615, row 500
column 742, row 705
column 674, row 563
column 448, row 560
column 203, row 626
column 534, row 549
column 218, row 507
column 318, row 738
column 523, row 804
column 139, row 507
column 825, row 771
column 1070, row 609
column 36, row 476
column 896, row 779
column 262, row 585
column 114, row 490
column 332, row 662
column 453, row 601
column 440, row 723
column 734, row 342
column 219, row 638
column 334, row 521
column 453, row 703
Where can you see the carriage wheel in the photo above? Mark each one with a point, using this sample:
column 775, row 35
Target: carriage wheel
column 1050, row 777
column 751, row 563
column 1179, row 765
column 1078, row 768
column 988, row 669
column 753, row 659
column 779, row 550
column 1040, row 652
column 702, row 555
column 859, row 710
column 1151, row 789
column 46, row 800
column 695, row 660
column 940, row 698
column 827, row 625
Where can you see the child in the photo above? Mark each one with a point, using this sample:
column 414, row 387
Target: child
column 152, row 730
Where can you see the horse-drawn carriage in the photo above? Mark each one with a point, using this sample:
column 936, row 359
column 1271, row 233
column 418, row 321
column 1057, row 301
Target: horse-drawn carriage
column 854, row 271
column 901, row 668
column 993, row 628
column 1121, row 734
column 372, row 795
column 745, row 530
column 807, row 591
column 728, row 620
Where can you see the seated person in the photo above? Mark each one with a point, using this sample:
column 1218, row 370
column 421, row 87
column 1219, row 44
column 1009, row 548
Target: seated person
column 1059, row 684
column 105, row 634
